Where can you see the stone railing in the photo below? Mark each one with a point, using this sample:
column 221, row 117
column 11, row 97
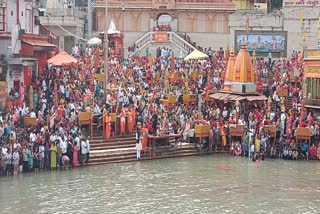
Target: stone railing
column 144, row 41
column 180, row 43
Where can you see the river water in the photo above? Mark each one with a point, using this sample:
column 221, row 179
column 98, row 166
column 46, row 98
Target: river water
column 209, row 184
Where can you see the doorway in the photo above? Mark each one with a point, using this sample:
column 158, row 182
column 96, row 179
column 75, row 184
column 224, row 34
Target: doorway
column 164, row 23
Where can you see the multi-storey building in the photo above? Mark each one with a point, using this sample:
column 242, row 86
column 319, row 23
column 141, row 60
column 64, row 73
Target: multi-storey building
column 24, row 52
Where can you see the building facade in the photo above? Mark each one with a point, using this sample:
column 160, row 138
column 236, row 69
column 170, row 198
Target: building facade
column 23, row 50
column 200, row 19
column 65, row 21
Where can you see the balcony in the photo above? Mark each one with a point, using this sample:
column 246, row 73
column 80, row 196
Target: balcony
column 143, row 4
column 69, row 18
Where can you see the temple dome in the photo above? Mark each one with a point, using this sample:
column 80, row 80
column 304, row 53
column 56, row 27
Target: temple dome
column 230, row 69
column 243, row 66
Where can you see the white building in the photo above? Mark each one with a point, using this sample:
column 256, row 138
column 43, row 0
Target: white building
column 23, row 50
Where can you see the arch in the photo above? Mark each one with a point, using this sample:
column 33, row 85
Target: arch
column 220, row 19
column 163, row 22
column 203, row 21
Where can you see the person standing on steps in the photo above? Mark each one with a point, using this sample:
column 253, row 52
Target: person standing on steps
column 108, row 126
column 88, row 150
column 84, row 149
column 154, row 124
column 138, row 141
column 122, row 123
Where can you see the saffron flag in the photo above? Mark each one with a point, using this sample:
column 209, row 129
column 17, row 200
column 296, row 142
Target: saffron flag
column 303, row 36
column 301, row 16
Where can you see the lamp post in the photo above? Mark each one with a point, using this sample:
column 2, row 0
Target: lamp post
column 89, row 18
column 106, row 49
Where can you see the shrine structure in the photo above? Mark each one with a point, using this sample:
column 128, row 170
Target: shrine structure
column 239, row 83
column 312, row 80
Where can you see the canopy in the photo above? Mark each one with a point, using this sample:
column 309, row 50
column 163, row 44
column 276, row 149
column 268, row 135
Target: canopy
column 234, row 97
column 196, row 54
column 94, row 41
column 62, row 58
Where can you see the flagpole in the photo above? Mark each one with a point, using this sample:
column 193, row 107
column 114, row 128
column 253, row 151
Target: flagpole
column 106, row 49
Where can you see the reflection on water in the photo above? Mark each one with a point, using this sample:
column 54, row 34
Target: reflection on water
column 185, row 185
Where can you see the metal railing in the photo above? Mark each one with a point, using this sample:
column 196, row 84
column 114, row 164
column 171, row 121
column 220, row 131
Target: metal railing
column 173, row 38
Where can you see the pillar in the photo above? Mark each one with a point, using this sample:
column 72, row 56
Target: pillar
column 89, row 18
column 61, row 42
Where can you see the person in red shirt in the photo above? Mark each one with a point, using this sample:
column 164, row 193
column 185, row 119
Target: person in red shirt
column 303, row 124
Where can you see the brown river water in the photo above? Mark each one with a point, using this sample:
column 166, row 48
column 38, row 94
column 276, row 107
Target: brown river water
column 209, row 184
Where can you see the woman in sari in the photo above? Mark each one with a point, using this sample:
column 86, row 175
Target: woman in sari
column 75, row 155
column 258, row 144
column 53, row 156
column 30, row 158
column 318, row 151
column 223, row 137
column 313, row 151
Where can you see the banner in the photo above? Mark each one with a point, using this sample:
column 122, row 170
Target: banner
column 262, row 41
column 299, row 3
column 161, row 37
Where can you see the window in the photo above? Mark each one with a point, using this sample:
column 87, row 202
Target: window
column 28, row 20
column 2, row 18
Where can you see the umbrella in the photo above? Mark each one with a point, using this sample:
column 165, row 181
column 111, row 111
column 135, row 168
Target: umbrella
column 94, row 41
column 196, row 55
column 62, row 58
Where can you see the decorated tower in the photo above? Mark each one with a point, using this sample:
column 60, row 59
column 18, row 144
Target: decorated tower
column 242, row 76
column 230, row 72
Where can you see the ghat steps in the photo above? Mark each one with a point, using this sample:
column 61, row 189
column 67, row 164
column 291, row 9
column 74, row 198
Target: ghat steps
column 122, row 149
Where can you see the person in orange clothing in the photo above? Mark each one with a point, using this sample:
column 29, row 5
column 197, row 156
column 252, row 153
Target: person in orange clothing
column 122, row 123
column 130, row 122
column 108, row 126
column 145, row 135
column 133, row 114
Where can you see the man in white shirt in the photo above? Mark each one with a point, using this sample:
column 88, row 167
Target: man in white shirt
column 32, row 137
column 84, row 151
column 63, row 146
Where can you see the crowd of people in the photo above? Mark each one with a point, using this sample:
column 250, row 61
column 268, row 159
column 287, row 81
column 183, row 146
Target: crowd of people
column 136, row 90
column 57, row 95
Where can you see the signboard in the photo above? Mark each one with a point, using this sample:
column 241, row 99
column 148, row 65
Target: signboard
column 163, row 4
column 299, row 3
column 262, row 41
column 161, row 37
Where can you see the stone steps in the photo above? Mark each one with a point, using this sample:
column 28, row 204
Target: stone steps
column 131, row 158
column 122, row 149
column 130, row 155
